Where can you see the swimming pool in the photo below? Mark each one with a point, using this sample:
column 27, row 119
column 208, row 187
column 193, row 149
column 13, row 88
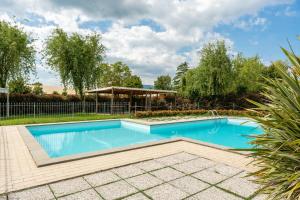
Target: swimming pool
column 59, row 140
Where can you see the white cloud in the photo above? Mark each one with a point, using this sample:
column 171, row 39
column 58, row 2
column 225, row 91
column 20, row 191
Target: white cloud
column 250, row 23
column 149, row 53
column 288, row 11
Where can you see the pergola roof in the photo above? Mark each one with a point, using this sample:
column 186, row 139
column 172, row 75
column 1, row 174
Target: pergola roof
column 128, row 90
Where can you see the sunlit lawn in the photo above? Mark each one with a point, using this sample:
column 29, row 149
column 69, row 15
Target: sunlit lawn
column 58, row 118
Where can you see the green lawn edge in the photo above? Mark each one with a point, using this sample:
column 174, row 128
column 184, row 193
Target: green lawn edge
column 59, row 118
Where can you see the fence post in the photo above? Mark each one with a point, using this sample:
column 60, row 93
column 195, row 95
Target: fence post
column 34, row 109
column 135, row 108
column 73, row 104
column 7, row 105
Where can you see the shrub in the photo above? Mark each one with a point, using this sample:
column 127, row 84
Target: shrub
column 166, row 113
column 277, row 151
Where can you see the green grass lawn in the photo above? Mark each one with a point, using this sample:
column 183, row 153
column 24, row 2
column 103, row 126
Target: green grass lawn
column 58, row 118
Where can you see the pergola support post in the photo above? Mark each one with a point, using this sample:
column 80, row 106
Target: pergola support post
column 96, row 108
column 130, row 102
column 7, row 104
column 150, row 102
column 112, row 101
column 146, row 102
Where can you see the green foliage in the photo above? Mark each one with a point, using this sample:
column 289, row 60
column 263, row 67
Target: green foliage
column 19, row 86
column 167, row 113
column 133, row 82
column 76, row 58
column 271, row 72
column 118, row 74
column 16, row 54
column 163, row 83
column 180, row 72
column 114, row 74
column 55, row 93
column 37, row 89
column 216, row 65
column 277, row 151
column 247, row 74
column 213, row 76
column 64, row 92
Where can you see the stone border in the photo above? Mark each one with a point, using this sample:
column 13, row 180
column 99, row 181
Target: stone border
column 41, row 158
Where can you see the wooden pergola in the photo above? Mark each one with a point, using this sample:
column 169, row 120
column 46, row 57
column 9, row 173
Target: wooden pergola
column 128, row 91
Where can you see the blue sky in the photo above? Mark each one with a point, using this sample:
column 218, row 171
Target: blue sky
column 153, row 37
column 266, row 40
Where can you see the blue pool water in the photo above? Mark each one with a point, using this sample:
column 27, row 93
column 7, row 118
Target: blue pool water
column 75, row 138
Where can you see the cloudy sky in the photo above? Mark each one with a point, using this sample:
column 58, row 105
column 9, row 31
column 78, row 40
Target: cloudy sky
column 154, row 36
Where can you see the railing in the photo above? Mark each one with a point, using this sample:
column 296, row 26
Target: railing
column 42, row 109
column 38, row 109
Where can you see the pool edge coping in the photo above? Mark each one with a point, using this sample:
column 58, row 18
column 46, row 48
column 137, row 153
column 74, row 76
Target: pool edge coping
column 41, row 158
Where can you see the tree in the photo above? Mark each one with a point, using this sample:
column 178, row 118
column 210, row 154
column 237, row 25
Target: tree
column 114, row 74
column 133, row 82
column 213, row 76
column 16, row 54
column 216, row 65
column 118, row 74
column 271, row 72
column 247, row 74
column 76, row 58
column 19, row 86
column 37, row 88
column 163, row 83
column 180, row 72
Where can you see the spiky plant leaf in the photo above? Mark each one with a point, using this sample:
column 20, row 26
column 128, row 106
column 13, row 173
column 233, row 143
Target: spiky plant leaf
column 277, row 151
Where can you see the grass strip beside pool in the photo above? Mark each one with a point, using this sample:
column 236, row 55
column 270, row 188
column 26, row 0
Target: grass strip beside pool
column 58, row 118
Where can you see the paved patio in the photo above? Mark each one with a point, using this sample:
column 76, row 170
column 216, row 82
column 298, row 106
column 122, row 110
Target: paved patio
column 177, row 176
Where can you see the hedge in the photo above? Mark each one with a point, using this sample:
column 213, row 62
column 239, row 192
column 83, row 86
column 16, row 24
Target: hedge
column 166, row 113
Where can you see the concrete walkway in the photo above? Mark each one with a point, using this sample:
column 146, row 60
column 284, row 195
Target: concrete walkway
column 177, row 176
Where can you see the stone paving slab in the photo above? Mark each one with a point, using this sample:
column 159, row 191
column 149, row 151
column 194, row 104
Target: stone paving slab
column 144, row 181
column 210, row 176
column 90, row 194
column 153, row 179
column 189, row 184
column 38, row 193
column 214, row 193
column 167, row 174
column 128, row 171
column 225, row 170
column 150, row 165
column 194, row 165
column 240, row 186
column 138, row 196
column 116, row 190
column 69, row 186
column 101, row 178
column 169, row 160
column 166, row 192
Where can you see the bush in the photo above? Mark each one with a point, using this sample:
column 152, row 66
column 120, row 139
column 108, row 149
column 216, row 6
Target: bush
column 167, row 113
